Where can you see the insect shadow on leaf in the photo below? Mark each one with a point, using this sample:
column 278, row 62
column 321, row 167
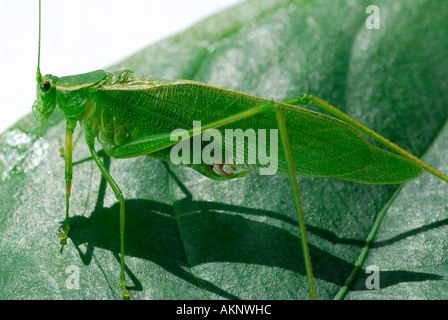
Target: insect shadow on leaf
column 153, row 234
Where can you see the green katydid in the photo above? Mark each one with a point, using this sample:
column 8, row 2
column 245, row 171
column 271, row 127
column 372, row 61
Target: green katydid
column 132, row 115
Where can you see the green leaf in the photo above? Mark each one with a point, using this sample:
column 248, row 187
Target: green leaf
column 188, row 237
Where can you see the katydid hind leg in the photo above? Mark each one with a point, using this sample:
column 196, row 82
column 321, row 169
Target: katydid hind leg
column 120, row 198
column 298, row 205
column 270, row 106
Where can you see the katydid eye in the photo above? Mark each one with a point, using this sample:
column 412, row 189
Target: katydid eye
column 45, row 85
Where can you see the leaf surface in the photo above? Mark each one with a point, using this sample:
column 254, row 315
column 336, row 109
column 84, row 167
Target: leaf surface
column 188, row 237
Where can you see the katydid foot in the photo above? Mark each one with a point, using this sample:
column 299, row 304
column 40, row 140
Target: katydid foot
column 63, row 237
column 126, row 295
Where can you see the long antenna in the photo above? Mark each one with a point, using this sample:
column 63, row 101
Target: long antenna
column 39, row 75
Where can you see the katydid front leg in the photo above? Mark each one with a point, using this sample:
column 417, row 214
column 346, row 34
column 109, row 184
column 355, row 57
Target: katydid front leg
column 120, row 198
column 62, row 149
column 70, row 128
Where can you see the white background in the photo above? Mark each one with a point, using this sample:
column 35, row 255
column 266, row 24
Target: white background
column 81, row 36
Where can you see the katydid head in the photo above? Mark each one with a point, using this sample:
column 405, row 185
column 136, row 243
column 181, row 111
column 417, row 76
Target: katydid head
column 45, row 102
